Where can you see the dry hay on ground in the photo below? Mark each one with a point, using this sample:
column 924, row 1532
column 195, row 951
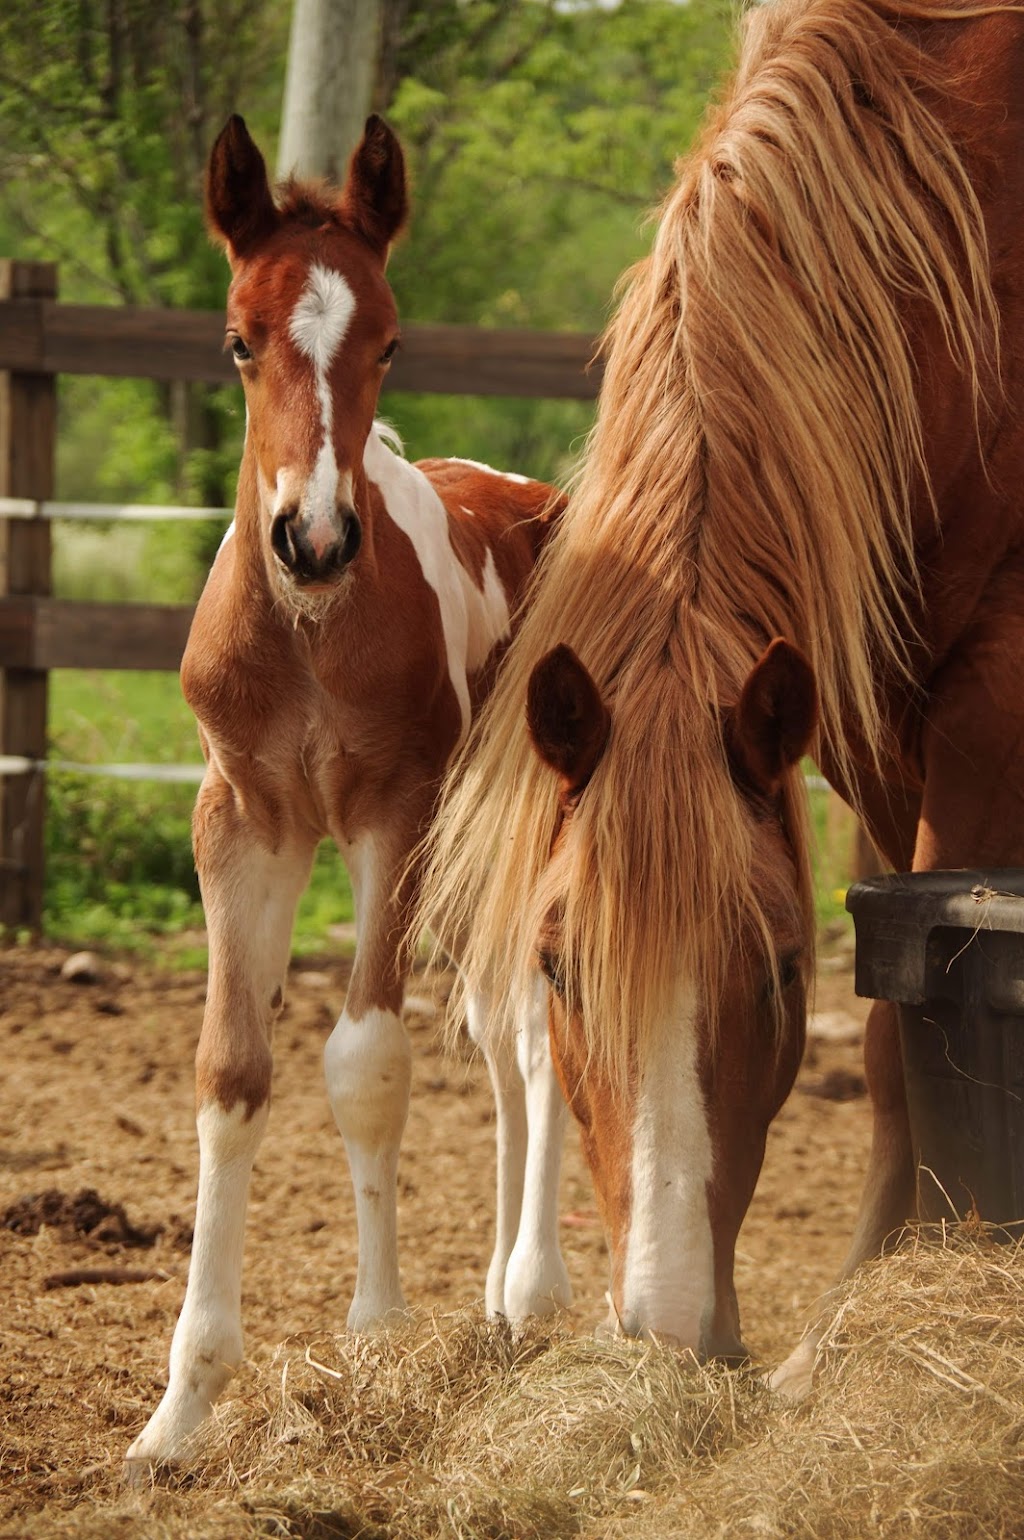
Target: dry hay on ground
column 452, row 1427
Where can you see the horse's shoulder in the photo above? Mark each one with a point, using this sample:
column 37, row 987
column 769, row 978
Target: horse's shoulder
column 238, row 666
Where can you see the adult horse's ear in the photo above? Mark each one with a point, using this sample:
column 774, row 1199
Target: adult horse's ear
column 567, row 720
column 239, row 205
column 375, row 201
column 774, row 720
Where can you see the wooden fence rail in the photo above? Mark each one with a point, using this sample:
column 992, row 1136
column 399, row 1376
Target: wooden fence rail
column 40, row 339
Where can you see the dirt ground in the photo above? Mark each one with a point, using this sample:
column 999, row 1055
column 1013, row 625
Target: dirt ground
column 96, row 1094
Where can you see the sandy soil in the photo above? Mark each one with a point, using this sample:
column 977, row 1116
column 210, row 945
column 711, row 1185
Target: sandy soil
column 96, row 1094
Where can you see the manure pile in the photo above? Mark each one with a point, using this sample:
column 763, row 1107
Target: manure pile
column 452, row 1427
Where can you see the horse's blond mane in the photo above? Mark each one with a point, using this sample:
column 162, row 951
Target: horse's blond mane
column 751, row 474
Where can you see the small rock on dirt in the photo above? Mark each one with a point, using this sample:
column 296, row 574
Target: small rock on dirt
column 82, row 968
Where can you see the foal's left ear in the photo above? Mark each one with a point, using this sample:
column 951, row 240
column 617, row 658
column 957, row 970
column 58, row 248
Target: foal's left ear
column 567, row 720
column 774, row 720
column 239, row 205
column 374, row 200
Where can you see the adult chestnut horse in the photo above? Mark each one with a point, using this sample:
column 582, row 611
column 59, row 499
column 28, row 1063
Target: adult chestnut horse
column 348, row 629
column 800, row 526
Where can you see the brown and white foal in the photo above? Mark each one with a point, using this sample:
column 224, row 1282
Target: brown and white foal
column 346, row 633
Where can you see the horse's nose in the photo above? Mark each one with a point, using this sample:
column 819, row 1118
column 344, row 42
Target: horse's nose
column 315, row 549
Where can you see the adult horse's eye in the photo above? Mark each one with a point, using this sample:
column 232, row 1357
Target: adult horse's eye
column 550, row 966
column 785, row 977
column 789, row 970
column 389, row 352
column 239, row 350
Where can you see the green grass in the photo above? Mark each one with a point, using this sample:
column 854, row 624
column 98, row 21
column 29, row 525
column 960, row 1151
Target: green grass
column 119, row 853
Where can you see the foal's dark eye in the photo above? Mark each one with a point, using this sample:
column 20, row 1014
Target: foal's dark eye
column 389, row 352
column 239, row 350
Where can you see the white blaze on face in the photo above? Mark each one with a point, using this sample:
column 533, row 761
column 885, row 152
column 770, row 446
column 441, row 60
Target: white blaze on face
column 668, row 1279
column 318, row 327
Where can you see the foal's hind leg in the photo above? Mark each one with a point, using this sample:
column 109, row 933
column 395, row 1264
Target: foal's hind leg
column 527, row 1275
column 536, row 1280
column 510, row 1139
column 249, row 895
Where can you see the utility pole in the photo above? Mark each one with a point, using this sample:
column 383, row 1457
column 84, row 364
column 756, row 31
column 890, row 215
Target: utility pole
column 332, row 66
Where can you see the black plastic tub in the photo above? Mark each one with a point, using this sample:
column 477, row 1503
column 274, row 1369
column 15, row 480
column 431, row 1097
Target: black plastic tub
column 948, row 948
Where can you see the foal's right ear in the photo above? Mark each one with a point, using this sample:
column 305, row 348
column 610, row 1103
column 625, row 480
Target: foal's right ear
column 567, row 720
column 239, row 206
column 375, row 200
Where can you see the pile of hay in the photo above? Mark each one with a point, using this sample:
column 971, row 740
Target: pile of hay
column 452, row 1427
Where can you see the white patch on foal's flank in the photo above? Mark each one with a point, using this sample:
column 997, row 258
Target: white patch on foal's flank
column 318, row 326
column 472, row 619
column 668, row 1279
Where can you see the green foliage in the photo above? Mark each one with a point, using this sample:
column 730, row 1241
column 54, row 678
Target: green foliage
column 538, row 134
column 538, row 138
column 110, row 111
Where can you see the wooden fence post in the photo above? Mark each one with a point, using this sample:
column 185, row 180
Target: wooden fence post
column 28, row 430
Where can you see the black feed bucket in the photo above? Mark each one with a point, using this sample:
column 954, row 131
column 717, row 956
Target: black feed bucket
column 948, row 948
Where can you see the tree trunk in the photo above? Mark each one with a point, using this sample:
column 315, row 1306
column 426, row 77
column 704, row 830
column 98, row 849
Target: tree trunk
column 332, row 66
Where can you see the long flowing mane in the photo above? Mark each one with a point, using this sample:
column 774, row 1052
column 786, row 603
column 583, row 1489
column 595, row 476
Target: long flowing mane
column 751, row 474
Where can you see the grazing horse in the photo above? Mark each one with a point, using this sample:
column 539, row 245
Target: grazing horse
column 349, row 628
column 799, row 527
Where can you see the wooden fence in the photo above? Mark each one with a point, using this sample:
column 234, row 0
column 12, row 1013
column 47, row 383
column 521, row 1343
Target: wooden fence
column 40, row 339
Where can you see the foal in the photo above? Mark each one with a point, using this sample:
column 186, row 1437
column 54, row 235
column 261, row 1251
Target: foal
column 349, row 627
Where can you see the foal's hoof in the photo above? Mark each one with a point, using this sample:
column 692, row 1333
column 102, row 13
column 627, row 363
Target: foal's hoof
column 536, row 1290
column 793, row 1380
column 139, row 1473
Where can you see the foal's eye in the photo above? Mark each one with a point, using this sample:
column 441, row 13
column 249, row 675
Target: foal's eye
column 389, row 352
column 239, row 350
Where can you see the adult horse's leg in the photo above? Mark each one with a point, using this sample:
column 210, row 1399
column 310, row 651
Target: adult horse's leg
column 887, row 1199
column 527, row 1275
column 368, row 1069
column 249, row 895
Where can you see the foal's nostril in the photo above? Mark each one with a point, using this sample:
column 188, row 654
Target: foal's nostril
column 351, row 539
column 282, row 538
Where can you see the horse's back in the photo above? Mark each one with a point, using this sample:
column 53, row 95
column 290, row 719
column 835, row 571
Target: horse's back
column 510, row 515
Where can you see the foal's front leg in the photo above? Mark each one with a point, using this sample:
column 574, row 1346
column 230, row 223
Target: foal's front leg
column 249, row 895
column 368, row 1069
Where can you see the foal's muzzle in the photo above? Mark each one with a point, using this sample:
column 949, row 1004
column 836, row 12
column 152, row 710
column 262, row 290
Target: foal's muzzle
column 319, row 560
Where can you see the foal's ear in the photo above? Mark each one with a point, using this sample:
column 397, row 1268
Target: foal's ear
column 567, row 720
column 374, row 201
column 239, row 206
column 773, row 723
